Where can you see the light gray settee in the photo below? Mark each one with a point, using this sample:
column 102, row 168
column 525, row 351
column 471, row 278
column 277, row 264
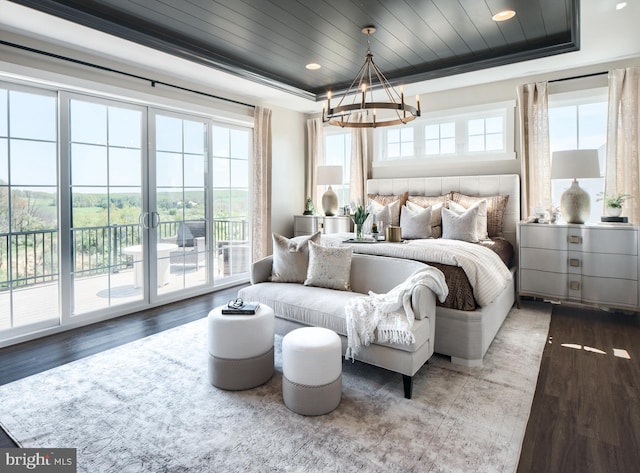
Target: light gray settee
column 296, row 305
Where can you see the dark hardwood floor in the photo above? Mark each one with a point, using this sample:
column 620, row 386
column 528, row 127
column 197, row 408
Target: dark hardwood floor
column 28, row 358
column 585, row 415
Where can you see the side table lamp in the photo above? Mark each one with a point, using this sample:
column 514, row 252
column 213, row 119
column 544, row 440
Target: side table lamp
column 328, row 175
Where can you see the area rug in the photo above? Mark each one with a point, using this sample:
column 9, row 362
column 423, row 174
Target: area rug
column 148, row 407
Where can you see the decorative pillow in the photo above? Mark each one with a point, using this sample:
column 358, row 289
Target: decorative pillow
column 329, row 267
column 388, row 199
column 436, row 216
column 482, row 216
column 496, row 206
column 415, row 224
column 382, row 213
column 429, row 200
column 460, row 227
column 291, row 258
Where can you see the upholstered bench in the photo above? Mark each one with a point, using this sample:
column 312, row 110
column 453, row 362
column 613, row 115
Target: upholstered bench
column 240, row 348
column 312, row 370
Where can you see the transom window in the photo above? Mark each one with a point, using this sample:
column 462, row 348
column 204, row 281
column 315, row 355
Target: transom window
column 483, row 132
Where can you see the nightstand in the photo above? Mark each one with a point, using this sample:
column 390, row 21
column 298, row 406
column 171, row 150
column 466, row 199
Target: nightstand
column 309, row 224
column 587, row 264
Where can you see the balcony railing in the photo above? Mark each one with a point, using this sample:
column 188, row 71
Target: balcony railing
column 31, row 257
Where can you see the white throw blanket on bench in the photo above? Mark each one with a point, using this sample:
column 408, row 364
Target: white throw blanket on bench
column 390, row 314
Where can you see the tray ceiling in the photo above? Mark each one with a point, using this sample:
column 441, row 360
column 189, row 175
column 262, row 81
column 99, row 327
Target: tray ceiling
column 271, row 41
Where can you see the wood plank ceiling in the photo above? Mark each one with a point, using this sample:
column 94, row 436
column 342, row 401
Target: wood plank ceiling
column 271, row 41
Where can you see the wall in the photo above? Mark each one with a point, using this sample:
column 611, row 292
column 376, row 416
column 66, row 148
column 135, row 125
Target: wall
column 287, row 128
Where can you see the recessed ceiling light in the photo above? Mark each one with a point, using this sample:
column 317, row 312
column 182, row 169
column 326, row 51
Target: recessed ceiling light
column 621, row 5
column 313, row 66
column 503, row 15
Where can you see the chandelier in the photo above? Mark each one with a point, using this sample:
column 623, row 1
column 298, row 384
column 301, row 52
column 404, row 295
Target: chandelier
column 393, row 111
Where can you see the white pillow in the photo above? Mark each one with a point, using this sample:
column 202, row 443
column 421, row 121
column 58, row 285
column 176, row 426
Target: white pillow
column 462, row 226
column 415, row 224
column 482, row 216
column 291, row 258
column 329, row 267
column 382, row 213
column 436, row 216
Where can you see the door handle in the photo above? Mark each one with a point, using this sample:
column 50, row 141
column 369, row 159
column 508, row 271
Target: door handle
column 155, row 219
column 143, row 221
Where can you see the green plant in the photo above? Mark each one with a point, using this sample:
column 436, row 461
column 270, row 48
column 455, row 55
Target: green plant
column 360, row 215
column 614, row 200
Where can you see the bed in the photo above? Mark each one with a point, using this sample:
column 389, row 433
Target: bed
column 464, row 330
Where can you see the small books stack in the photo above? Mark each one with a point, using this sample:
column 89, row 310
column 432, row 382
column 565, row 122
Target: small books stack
column 245, row 308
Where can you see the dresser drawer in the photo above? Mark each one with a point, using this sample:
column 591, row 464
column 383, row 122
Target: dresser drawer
column 609, row 266
column 552, row 285
column 604, row 291
column 305, row 225
column 543, row 260
column 612, row 241
column 543, row 236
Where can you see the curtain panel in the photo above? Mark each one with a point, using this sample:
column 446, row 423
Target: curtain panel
column 535, row 154
column 315, row 158
column 360, row 162
column 261, row 245
column 622, row 163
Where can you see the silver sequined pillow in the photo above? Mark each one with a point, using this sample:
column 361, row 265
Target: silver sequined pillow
column 291, row 258
column 329, row 267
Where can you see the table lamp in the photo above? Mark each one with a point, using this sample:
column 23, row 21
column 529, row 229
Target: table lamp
column 328, row 175
column 575, row 203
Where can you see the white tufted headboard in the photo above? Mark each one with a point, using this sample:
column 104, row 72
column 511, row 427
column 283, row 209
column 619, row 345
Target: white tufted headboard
column 507, row 184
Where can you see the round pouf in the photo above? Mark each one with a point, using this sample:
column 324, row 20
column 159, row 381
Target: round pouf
column 312, row 370
column 240, row 349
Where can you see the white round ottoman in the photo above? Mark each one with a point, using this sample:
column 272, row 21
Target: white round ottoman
column 312, row 370
column 240, row 349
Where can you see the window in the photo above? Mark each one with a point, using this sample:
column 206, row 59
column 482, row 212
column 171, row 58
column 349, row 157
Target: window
column 473, row 133
column 440, row 138
column 578, row 120
column 337, row 152
column 400, row 142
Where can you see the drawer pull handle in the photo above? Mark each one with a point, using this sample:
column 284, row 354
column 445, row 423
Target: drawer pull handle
column 574, row 285
column 574, row 262
column 575, row 239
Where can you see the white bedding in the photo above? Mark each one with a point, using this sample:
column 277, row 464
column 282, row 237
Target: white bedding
column 486, row 272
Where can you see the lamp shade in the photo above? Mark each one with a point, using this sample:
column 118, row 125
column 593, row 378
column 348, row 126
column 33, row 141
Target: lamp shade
column 575, row 164
column 328, row 175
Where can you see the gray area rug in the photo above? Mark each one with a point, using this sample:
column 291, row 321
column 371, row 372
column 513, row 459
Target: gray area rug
column 148, row 407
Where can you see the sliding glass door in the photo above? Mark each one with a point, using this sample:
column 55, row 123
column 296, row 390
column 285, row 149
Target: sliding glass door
column 106, row 149
column 29, row 228
column 179, row 205
column 108, row 207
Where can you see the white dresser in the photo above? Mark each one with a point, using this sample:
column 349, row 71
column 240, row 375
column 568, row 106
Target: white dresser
column 309, row 224
column 588, row 264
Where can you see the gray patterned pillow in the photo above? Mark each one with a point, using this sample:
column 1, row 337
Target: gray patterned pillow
column 436, row 216
column 291, row 258
column 329, row 267
column 415, row 224
column 460, row 227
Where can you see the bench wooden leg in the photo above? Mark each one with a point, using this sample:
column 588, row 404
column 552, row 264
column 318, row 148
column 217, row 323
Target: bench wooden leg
column 408, row 385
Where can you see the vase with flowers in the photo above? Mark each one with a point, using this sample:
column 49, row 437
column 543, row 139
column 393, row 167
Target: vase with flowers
column 359, row 217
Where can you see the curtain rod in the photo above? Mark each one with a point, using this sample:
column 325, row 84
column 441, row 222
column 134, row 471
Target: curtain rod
column 580, row 77
column 153, row 82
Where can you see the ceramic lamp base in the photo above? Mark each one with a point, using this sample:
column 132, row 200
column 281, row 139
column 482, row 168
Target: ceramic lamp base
column 330, row 202
column 575, row 204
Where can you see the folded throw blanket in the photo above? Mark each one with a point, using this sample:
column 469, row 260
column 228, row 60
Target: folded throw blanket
column 389, row 315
